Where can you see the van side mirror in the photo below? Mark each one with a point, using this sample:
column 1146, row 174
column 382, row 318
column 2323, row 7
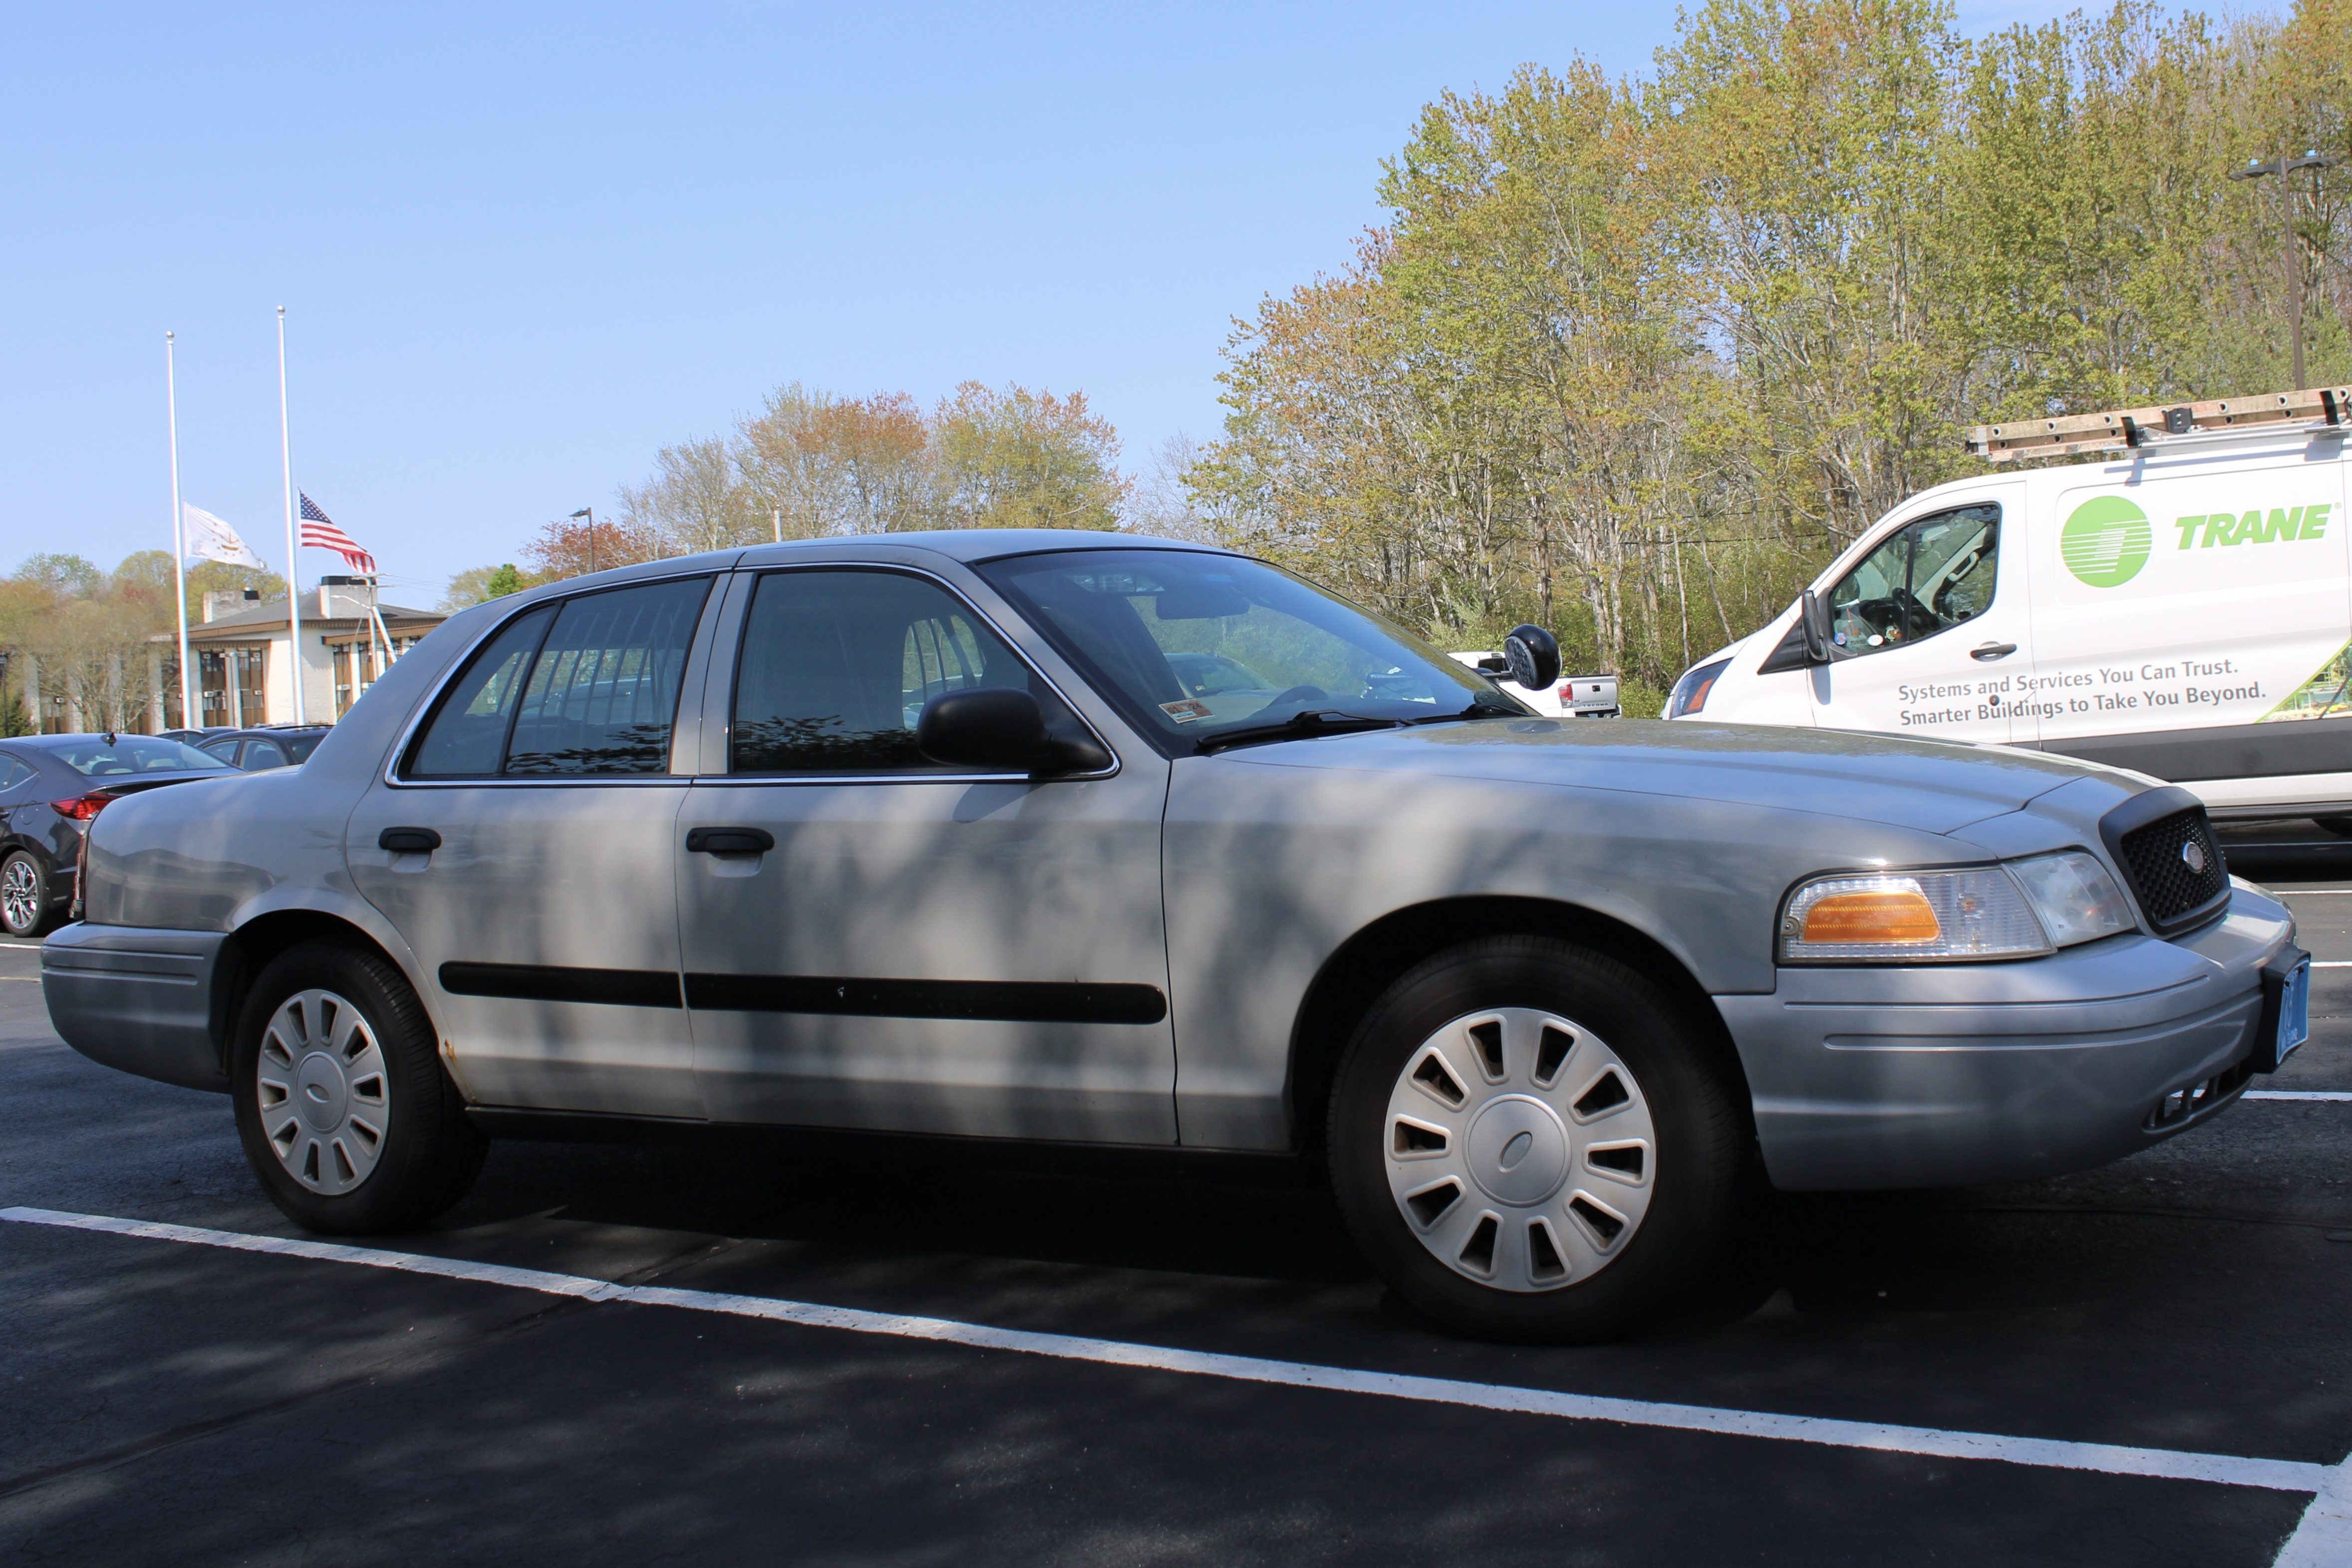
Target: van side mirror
column 1533, row 655
column 1003, row 729
column 1814, row 616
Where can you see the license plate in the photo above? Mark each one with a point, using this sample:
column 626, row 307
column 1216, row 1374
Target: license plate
column 2295, row 1010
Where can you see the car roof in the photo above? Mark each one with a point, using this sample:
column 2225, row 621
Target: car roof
column 971, row 545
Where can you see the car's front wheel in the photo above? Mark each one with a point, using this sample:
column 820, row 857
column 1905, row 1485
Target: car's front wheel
column 1532, row 1140
column 345, row 1110
column 24, row 896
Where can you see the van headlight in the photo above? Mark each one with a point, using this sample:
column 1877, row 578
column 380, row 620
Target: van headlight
column 2023, row 908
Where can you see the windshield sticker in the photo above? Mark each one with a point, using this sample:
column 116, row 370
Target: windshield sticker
column 1187, row 712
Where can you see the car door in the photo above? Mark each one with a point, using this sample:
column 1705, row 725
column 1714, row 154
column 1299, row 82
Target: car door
column 872, row 941
column 522, row 845
column 1931, row 632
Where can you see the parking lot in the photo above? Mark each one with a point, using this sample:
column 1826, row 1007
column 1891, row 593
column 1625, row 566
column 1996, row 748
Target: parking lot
column 1127, row 1363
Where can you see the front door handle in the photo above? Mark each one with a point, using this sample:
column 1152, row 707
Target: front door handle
column 1985, row 652
column 408, row 840
column 728, row 840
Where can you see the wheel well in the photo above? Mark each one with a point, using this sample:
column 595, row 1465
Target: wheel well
column 249, row 949
column 1367, row 962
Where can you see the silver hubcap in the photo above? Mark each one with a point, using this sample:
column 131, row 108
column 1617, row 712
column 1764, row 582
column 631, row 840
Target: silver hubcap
column 20, row 894
column 1520, row 1150
column 325, row 1107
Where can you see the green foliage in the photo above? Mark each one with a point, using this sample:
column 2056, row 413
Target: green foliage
column 13, row 717
column 479, row 584
column 1636, row 358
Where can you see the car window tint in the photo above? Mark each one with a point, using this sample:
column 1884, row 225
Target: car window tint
column 15, row 773
column 299, row 747
column 837, row 665
column 603, row 692
column 469, row 731
column 1934, row 573
column 260, row 755
column 94, row 758
column 226, row 751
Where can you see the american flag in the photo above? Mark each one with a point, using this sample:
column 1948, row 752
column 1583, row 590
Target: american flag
column 320, row 530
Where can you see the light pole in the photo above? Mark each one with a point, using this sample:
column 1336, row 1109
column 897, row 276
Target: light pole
column 590, row 513
column 2254, row 169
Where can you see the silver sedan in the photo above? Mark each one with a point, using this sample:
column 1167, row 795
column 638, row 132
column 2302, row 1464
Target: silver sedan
column 980, row 836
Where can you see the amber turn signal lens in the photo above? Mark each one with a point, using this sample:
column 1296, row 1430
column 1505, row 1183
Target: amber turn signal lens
column 1888, row 917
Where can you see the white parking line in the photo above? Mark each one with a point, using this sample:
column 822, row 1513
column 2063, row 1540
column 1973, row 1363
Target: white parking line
column 2333, row 1094
column 2049, row 1453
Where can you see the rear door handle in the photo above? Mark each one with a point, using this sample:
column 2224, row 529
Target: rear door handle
column 408, row 840
column 728, row 840
column 1985, row 652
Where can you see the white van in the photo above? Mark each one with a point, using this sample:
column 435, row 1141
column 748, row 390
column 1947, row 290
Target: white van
column 2181, row 607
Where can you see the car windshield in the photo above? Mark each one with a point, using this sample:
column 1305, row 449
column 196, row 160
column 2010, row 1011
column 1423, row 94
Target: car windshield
column 130, row 755
column 1194, row 645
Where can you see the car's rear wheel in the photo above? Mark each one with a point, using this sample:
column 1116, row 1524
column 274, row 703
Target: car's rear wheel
column 345, row 1110
column 1532, row 1140
column 24, row 896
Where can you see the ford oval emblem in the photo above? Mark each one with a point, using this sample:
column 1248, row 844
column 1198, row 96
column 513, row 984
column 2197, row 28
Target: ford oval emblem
column 2192, row 855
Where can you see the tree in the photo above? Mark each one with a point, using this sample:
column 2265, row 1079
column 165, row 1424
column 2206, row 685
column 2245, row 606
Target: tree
column 479, row 584
column 1018, row 459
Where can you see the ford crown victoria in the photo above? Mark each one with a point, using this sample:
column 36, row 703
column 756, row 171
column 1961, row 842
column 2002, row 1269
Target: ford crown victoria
column 1075, row 839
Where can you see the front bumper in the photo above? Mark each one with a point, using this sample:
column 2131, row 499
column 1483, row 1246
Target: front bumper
column 1951, row 1074
column 138, row 999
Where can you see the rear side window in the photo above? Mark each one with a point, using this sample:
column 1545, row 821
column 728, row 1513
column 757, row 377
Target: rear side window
column 837, row 664
column 263, row 755
column 14, row 770
column 586, row 689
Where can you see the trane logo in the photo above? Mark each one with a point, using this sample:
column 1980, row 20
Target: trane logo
column 2192, row 855
column 2257, row 527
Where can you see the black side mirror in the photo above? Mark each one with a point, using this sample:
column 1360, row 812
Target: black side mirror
column 1814, row 617
column 1533, row 654
column 1003, row 729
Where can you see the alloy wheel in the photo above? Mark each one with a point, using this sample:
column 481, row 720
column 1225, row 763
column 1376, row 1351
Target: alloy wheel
column 20, row 894
column 1521, row 1148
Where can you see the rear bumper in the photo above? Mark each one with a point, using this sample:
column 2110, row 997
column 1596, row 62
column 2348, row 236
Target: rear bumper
column 137, row 999
column 1965, row 1073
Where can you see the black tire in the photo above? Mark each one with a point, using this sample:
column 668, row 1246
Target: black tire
column 426, row 1156
column 2339, row 825
column 1691, row 1093
column 19, row 865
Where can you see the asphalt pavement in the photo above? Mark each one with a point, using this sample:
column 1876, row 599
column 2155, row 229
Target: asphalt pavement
column 164, row 1397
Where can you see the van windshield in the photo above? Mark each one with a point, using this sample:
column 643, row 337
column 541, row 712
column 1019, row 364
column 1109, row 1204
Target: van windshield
column 1193, row 646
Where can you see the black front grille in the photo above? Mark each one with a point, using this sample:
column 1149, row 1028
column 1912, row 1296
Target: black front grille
column 2176, row 868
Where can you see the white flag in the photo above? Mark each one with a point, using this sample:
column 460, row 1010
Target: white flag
column 210, row 538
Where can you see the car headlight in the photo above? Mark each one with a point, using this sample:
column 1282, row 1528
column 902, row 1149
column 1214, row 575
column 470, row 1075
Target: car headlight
column 1690, row 693
column 2024, row 908
column 2075, row 897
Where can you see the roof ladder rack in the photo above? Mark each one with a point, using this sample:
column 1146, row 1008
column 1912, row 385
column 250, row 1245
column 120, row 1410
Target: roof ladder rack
column 2319, row 410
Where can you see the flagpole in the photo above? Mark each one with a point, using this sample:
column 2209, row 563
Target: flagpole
column 293, row 577
column 188, row 715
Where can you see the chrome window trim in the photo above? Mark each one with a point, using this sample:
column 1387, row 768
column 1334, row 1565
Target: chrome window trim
column 743, row 615
column 432, row 703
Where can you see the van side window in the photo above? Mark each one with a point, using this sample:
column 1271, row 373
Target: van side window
column 1936, row 573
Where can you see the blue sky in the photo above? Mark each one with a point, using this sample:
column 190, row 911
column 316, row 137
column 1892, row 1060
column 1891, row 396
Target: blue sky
column 523, row 248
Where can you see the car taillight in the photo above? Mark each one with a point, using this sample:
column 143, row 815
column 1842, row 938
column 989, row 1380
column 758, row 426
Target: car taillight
column 82, row 808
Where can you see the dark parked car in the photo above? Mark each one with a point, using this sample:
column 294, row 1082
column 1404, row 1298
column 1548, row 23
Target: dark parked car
column 259, row 750
column 50, row 787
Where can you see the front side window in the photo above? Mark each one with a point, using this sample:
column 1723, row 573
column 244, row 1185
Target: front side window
column 837, row 665
column 1932, row 575
column 1194, row 645
column 585, row 689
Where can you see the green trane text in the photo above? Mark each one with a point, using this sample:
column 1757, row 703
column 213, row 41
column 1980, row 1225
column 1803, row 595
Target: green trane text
column 2253, row 527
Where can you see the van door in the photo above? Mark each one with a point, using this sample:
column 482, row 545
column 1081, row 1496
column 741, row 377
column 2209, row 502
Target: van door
column 2181, row 610
column 1931, row 633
